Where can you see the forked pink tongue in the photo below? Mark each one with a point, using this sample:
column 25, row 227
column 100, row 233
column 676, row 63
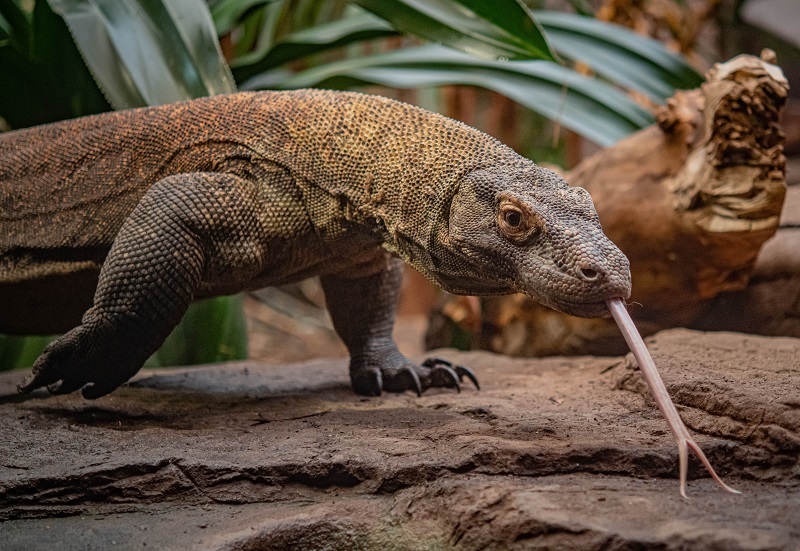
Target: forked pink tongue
column 659, row 391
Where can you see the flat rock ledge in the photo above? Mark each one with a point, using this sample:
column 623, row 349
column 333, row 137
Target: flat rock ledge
column 556, row 453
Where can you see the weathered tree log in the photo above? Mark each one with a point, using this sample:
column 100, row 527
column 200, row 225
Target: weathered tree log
column 770, row 305
column 690, row 200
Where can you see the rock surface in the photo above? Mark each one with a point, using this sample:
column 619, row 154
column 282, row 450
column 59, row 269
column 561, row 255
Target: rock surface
column 557, row 453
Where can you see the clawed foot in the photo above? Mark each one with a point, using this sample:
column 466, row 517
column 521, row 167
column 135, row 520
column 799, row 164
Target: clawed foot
column 449, row 374
column 434, row 372
column 72, row 363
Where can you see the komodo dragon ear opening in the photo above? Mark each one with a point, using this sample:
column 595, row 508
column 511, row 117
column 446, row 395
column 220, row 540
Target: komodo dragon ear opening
column 517, row 221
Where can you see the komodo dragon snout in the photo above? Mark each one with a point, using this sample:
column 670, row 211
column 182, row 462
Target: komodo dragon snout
column 544, row 235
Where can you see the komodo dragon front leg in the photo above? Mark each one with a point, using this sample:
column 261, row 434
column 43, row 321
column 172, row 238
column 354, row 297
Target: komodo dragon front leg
column 187, row 228
column 363, row 311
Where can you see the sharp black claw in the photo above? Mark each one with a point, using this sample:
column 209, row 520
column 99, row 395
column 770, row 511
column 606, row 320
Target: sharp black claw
column 37, row 379
column 55, row 388
column 459, row 370
column 97, row 390
column 27, row 385
column 449, row 374
column 416, row 381
column 66, row 386
column 465, row 371
column 368, row 383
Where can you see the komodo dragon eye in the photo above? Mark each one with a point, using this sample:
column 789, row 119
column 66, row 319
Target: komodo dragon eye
column 512, row 217
column 515, row 219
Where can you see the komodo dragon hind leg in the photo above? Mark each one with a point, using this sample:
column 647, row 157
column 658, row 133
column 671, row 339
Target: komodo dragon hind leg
column 178, row 232
column 363, row 310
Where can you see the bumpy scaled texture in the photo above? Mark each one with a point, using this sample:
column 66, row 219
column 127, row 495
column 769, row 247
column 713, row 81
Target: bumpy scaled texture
column 169, row 204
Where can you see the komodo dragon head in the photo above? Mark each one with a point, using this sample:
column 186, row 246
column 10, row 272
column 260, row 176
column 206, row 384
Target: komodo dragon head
column 521, row 228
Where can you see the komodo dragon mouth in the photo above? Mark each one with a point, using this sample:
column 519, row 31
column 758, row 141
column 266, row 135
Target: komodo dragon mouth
column 595, row 309
column 575, row 296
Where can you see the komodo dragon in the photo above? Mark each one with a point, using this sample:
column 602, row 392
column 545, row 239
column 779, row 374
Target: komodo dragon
column 166, row 205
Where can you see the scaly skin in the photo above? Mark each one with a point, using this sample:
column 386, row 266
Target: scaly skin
column 169, row 204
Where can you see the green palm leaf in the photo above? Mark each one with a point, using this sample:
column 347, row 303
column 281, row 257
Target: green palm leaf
column 500, row 28
column 328, row 36
column 148, row 52
column 592, row 108
column 619, row 55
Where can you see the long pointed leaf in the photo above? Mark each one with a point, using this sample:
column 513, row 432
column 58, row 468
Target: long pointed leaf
column 614, row 64
column 621, row 57
column 500, row 28
column 356, row 28
column 619, row 53
column 593, row 109
column 515, row 19
column 148, row 52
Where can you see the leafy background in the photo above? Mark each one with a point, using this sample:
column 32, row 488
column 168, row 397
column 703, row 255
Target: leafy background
column 68, row 58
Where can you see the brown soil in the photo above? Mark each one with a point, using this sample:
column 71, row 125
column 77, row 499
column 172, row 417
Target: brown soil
column 557, row 453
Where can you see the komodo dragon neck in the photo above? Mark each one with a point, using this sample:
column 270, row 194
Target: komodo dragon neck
column 377, row 163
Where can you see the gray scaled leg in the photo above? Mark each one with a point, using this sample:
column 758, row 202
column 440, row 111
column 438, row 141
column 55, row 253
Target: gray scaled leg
column 177, row 233
column 363, row 310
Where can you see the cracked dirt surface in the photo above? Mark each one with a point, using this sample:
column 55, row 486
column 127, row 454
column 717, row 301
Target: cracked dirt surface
column 557, row 453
